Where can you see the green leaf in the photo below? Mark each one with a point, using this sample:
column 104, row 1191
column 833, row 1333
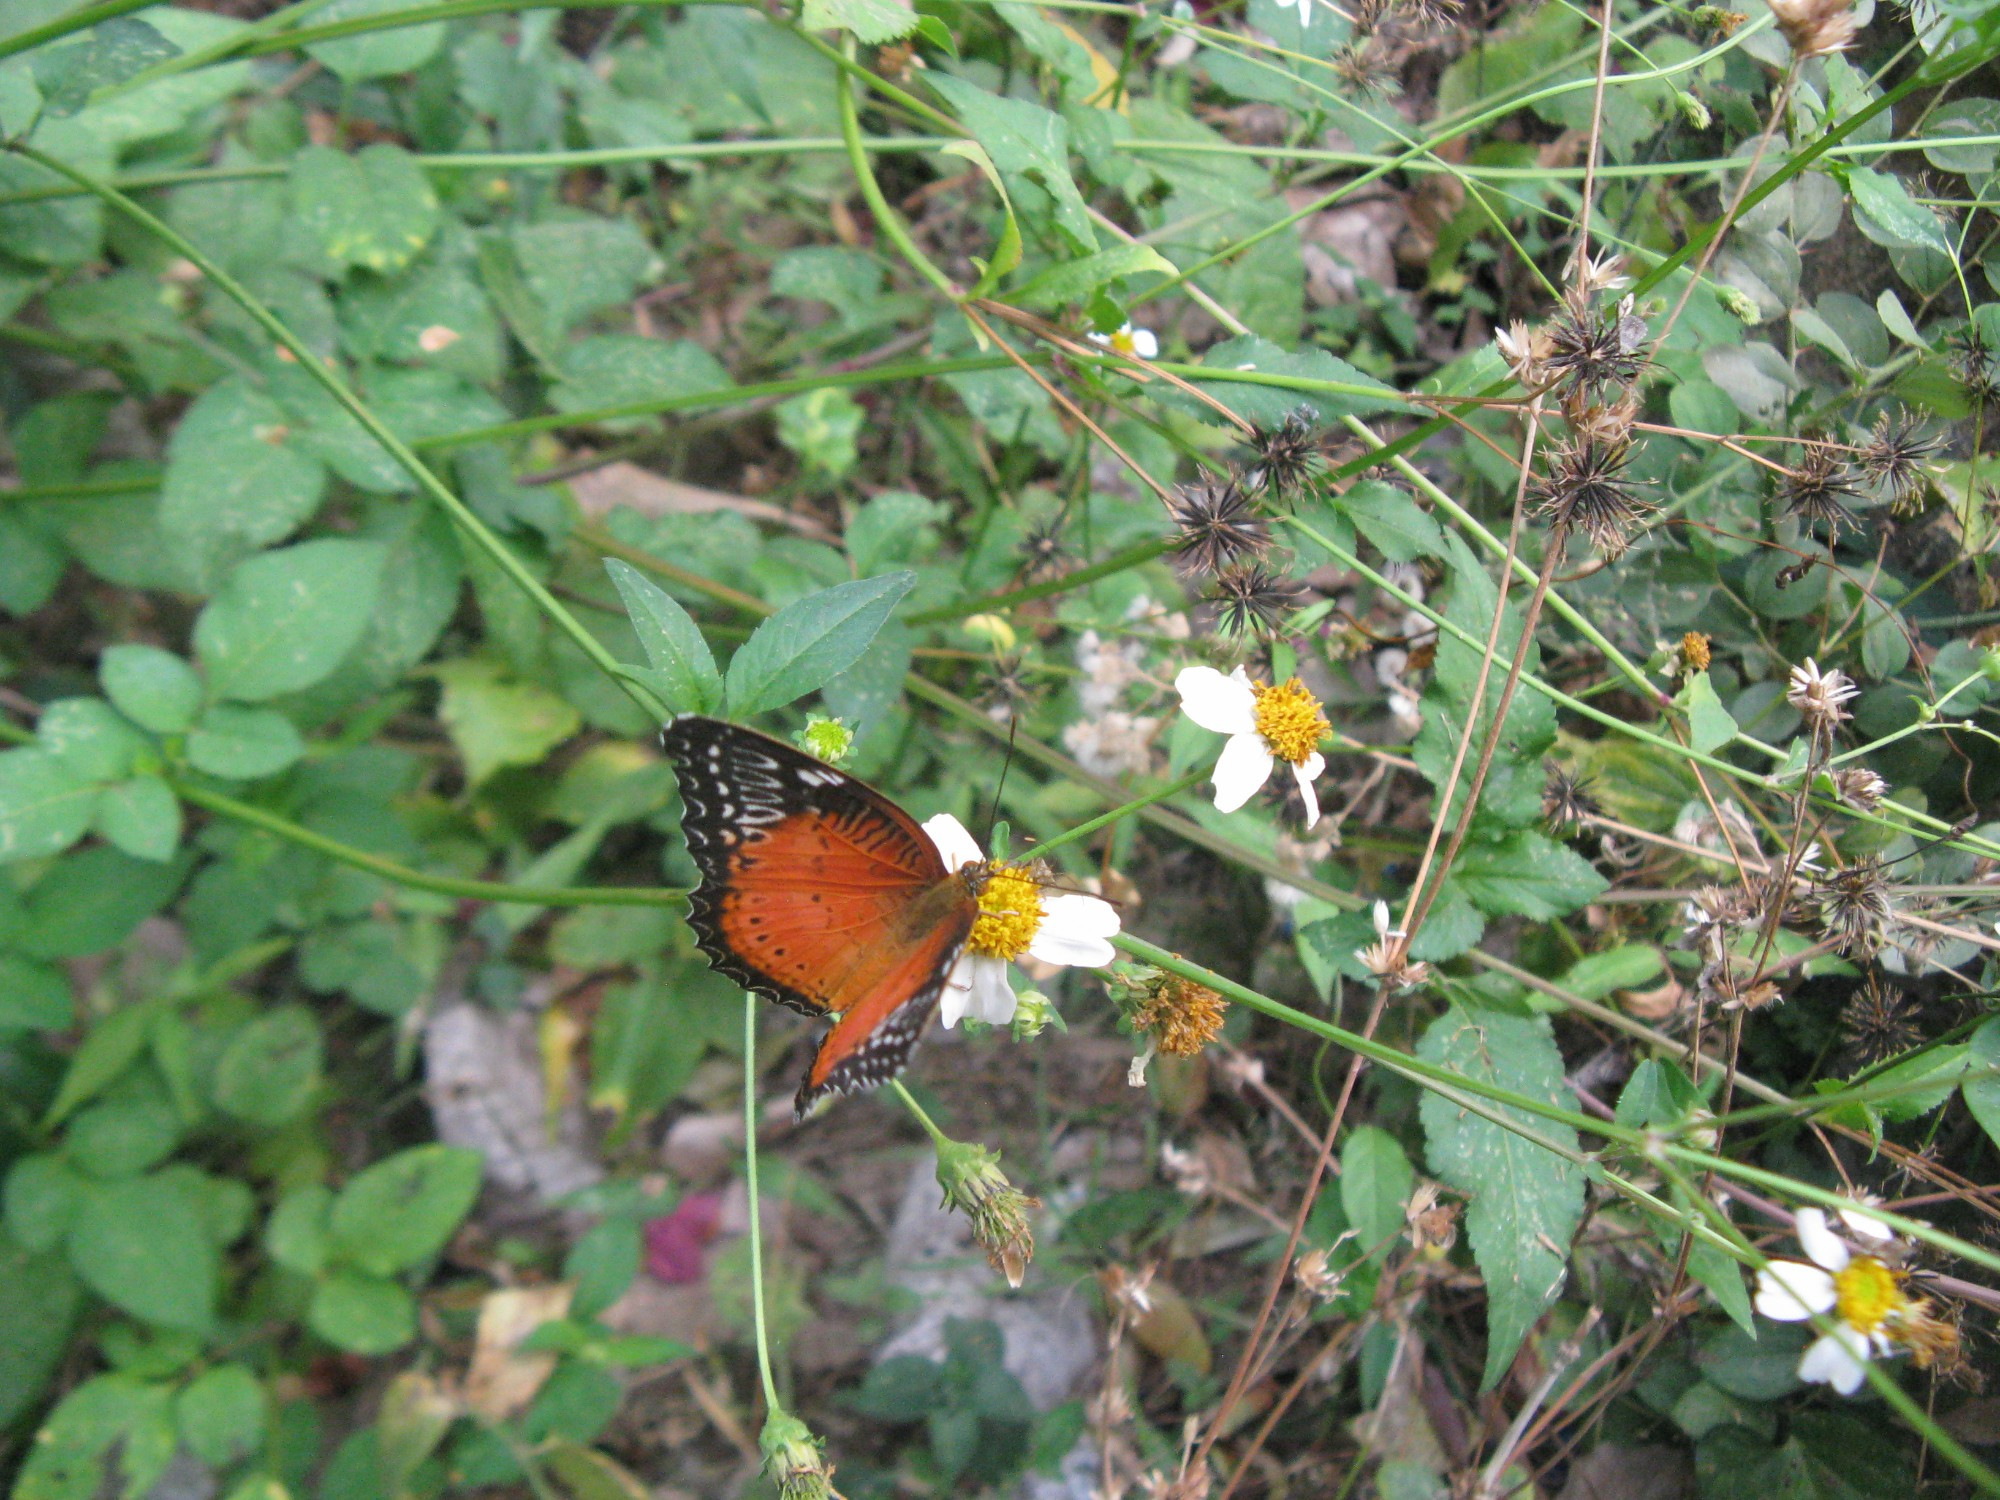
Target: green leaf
column 114, row 51
column 1401, row 530
column 1025, row 141
column 1527, row 874
column 1709, row 725
column 402, row 1210
column 603, row 1264
column 1078, row 280
column 624, row 369
column 93, row 899
column 362, row 1314
column 88, row 736
column 142, row 817
column 1982, row 1093
column 1526, row 1201
column 33, row 996
column 242, row 743
column 373, row 54
column 140, row 1244
column 1887, row 204
column 122, row 1137
column 1375, row 1183
column 43, row 1192
column 873, row 22
column 45, row 806
column 374, row 209
column 39, row 1298
column 108, row 1048
column 809, row 642
column 71, row 1456
column 155, row 689
column 1007, row 249
column 1625, row 967
column 270, row 1070
column 235, row 470
column 296, row 1235
column 1908, row 1090
column 497, row 719
column 220, row 1414
column 283, row 620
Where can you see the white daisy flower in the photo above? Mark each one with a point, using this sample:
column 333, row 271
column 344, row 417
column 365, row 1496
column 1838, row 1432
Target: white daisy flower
column 1017, row 918
column 1863, row 1296
column 1265, row 725
column 1133, row 343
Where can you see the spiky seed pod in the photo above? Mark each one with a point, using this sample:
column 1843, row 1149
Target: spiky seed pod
column 1591, row 352
column 1217, row 525
column 1974, row 367
column 1896, row 456
column 1252, row 600
column 1566, row 799
column 1366, row 69
column 1819, row 488
column 1042, row 550
column 1288, row 456
column 1876, row 1022
column 1854, row 908
column 1587, row 490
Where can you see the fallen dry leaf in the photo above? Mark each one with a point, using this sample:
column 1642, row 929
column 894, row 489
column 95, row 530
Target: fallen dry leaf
column 501, row 1381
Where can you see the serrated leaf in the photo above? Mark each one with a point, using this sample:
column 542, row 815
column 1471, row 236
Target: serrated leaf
column 496, row 719
column 1007, row 249
column 809, row 642
column 1375, row 1183
column 235, row 470
column 1527, row 874
column 683, row 669
column 375, row 209
column 1077, row 280
column 1526, row 1200
column 1024, row 140
column 114, row 51
column 243, row 744
column 1401, row 530
column 873, row 22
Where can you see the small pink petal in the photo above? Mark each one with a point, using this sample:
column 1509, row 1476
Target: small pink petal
column 675, row 1242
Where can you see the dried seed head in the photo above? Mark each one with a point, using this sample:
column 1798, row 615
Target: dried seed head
column 1876, row 1022
column 1566, row 799
column 1600, row 422
column 1179, row 1016
column 1251, row 600
column 1820, row 696
column 1859, row 788
column 1527, row 353
column 1897, row 457
column 1217, row 525
column 1818, row 488
column 1694, row 651
column 1592, row 352
column 1854, row 908
column 1367, row 69
column 1815, row 28
column 975, row 1186
column 1288, row 456
column 1042, row 550
column 1587, row 490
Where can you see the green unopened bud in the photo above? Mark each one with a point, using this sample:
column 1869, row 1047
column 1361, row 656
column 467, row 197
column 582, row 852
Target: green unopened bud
column 794, row 1460
column 1692, row 110
column 1033, row 1011
column 828, row 739
column 1741, row 303
column 975, row 1186
column 1989, row 665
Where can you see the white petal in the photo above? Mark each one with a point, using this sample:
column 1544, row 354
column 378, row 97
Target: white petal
column 1144, row 343
column 1304, row 772
column 1790, row 1291
column 1072, row 914
column 956, row 845
column 1838, row 1359
column 1099, row 338
column 1245, row 765
column 1867, row 1225
column 957, row 992
column 1224, row 704
column 1820, row 1242
column 993, row 999
column 1381, row 915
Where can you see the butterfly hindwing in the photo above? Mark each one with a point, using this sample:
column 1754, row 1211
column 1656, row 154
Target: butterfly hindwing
column 818, row 893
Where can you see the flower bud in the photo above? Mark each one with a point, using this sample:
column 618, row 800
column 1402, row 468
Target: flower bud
column 826, row 739
column 975, row 1186
column 793, row 1459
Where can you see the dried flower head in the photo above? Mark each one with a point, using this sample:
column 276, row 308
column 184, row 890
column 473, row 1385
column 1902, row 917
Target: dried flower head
column 1566, row 799
column 1603, row 272
column 1609, row 423
column 1042, row 550
column 1388, row 957
column 1128, row 1292
column 1431, row 1223
column 1217, row 525
column 1177, row 1015
column 1819, row 487
column 1591, row 351
column 1974, row 366
column 1854, row 908
column 1429, row 13
column 1695, row 651
column 1526, row 352
column 1250, row 599
column 1897, row 457
column 1714, row 18
column 1317, row 1276
column 1876, row 1022
column 975, row 1186
column 1859, row 788
column 1815, row 28
column 1288, row 455
column 1587, row 490
column 1367, row 69
column 1820, row 696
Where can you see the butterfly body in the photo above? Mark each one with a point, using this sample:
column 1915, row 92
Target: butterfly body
column 819, row 893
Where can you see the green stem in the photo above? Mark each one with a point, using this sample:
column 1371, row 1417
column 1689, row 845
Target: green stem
column 771, row 1402
column 886, row 218
column 1118, row 562
column 90, row 15
column 401, row 874
column 1104, row 820
column 461, row 515
column 938, row 1138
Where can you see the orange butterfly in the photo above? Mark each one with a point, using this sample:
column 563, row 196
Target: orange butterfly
column 819, row 893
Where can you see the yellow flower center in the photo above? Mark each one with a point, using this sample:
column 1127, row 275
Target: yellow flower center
column 1126, row 343
column 1289, row 719
column 1868, row 1294
column 1010, row 914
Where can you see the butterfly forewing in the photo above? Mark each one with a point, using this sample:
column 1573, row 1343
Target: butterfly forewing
column 819, row 893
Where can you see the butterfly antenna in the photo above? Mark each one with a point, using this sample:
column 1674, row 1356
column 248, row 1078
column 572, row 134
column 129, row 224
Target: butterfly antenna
column 993, row 817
